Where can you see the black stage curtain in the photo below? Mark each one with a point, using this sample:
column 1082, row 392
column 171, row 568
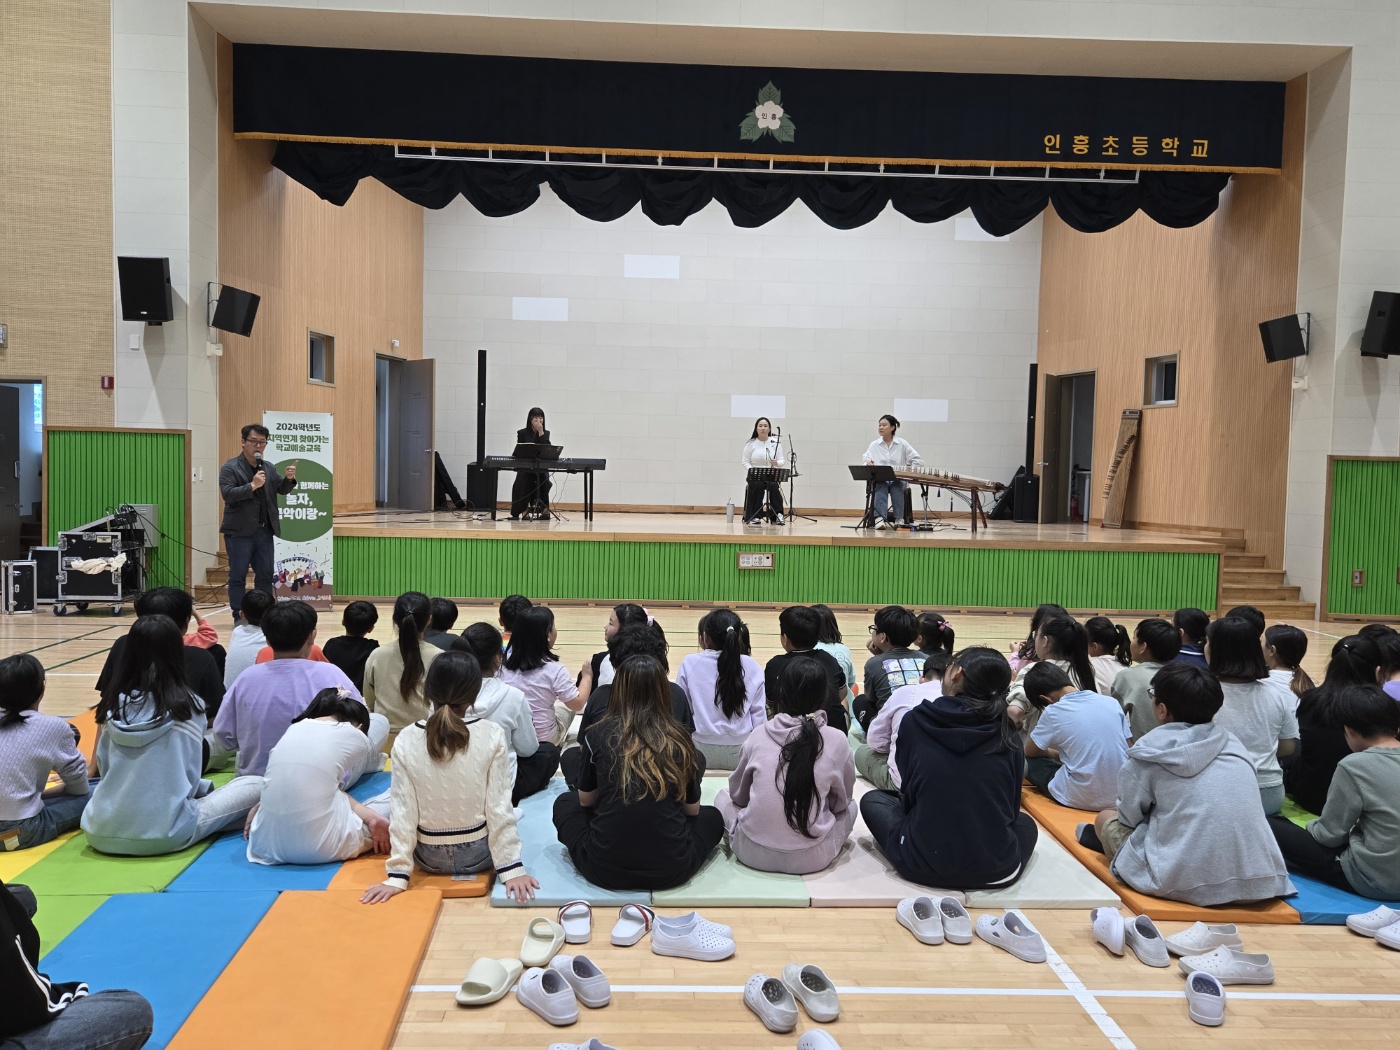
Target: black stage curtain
column 752, row 198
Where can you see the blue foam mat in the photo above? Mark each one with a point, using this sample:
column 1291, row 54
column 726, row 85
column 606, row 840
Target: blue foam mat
column 225, row 864
column 1319, row 904
column 170, row 947
column 548, row 861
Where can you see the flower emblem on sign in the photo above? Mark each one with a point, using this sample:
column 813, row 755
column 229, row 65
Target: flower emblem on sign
column 768, row 118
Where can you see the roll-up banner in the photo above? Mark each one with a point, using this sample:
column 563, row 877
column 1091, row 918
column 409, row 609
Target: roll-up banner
column 301, row 561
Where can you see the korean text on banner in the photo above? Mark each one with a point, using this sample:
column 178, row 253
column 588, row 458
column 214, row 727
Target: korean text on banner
column 302, row 568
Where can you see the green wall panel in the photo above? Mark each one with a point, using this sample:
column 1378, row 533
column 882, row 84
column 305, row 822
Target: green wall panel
column 1365, row 534
column 704, row 572
column 92, row 472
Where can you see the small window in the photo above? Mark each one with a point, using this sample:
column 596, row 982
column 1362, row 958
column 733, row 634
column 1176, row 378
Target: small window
column 1161, row 381
column 321, row 358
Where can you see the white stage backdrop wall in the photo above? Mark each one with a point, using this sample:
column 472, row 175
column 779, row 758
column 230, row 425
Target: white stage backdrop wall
column 642, row 341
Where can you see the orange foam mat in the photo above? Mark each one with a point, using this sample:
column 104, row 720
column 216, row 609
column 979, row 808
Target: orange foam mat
column 287, row 986
column 86, row 721
column 363, row 872
column 1060, row 821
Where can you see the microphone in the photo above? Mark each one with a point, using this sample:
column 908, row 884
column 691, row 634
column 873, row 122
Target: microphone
column 260, row 464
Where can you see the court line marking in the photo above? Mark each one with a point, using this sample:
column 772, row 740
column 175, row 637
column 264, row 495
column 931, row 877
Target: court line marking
column 1085, row 998
column 1053, row 993
column 75, row 638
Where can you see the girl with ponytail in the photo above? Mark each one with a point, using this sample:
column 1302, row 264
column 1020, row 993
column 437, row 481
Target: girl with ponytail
column 935, row 632
column 1110, row 650
column 956, row 821
column 788, row 807
column 1063, row 641
column 725, row 688
column 394, row 674
column 1355, row 660
column 1284, row 649
column 451, row 812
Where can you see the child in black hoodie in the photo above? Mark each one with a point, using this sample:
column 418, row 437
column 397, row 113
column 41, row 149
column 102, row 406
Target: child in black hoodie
column 957, row 821
column 58, row 1016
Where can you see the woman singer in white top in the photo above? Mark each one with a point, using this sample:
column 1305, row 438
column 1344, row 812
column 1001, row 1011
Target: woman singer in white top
column 763, row 450
column 890, row 451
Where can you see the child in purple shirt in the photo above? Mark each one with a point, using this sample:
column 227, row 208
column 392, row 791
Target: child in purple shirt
column 31, row 745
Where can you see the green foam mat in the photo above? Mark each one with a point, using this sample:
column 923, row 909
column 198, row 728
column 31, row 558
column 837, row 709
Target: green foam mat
column 76, row 869
column 60, row 915
column 1296, row 813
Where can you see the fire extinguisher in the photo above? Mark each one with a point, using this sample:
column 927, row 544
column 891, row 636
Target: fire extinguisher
column 1074, row 508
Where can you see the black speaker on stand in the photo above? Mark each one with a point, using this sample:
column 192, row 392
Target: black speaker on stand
column 481, row 481
column 1382, row 335
column 1025, row 487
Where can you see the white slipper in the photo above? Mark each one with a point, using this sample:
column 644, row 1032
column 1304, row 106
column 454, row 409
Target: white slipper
column 1389, row 936
column 676, row 922
column 1205, row 999
column 546, row 993
column 487, row 981
column 817, row 1039
column 769, row 998
column 577, row 919
column 1230, row 966
column 1146, row 942
column 589, row 983
column 699, row 940
column 593, row 1044
column 1012, row 934
column 1373, row 920
column 634, row 922
column 1108, row 928
column 957, row 923
column 921, row 917
column 1199, row 938
column 814, row 990
column 543, row 939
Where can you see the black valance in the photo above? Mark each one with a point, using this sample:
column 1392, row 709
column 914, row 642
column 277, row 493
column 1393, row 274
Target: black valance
column 752, row 198
column 824, row 115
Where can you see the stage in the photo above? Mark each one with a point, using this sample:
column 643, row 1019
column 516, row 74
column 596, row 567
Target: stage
column 695, row 558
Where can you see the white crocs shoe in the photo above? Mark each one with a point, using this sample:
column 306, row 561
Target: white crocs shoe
column 817, row 1039
column 1205, row 999
column 957, row 923
column 701, row 940
column 545, row 992
column 1146, row 942
column 692, row 917
column 1389, row 936
column 589, row 983
column 769, row 998
column 922, row 917
column 1013, row 934
column 1108, row 928
column 814, row 990
column 1199, row 938
column 1231, row 966
column 1373, row 920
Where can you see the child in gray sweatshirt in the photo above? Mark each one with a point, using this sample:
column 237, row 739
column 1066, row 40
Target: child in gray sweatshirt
column 1188, row 825
column 1355, row 844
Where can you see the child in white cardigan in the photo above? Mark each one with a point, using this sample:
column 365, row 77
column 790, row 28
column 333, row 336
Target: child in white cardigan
column 450, row 793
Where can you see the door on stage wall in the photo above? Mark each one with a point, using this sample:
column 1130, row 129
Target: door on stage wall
column 1067, row 448
column 9, row 472
column 415, row 459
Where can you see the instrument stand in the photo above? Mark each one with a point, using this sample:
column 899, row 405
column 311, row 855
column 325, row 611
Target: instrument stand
column 792, row 505
column 869, row 474
column 932, row 522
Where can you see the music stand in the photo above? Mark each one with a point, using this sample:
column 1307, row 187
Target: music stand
column 530, row 450
column 869, row 473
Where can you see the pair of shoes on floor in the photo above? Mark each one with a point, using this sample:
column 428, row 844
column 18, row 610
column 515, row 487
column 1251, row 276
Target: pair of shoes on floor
column 555, row 992
column 775, row 1000
column 932, row 920
column 691, row 936
column 1381, row 923
column 1012, row 933
column 1139, row 934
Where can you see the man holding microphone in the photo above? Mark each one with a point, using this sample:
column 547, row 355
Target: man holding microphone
column 250, row 486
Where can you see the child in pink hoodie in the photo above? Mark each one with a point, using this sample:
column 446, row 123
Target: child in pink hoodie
column 788, row 808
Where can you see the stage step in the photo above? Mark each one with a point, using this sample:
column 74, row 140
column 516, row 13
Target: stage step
column 1254, row 595
column 1241, row 560
column 1285, row 612
column 1251, row 577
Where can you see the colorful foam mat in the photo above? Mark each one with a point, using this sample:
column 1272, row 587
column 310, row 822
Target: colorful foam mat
column 1319, row 904
column 12, row 864
column 364, row 871
column 59, row 916
column 77, row 868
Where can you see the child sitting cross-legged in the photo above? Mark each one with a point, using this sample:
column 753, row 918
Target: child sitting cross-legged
column 1079, row 743
column 1188, row 825
column 1155, row 644
column 876, row 758
column 450, row 793
column 32, row 745
column 351, row 650
column 788, row 806
column 1355, row 844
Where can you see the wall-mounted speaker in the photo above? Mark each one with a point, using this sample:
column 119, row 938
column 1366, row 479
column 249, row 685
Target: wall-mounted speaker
column 235, row 310
column 1283, row 338
column 1382, row 335
column 145, row 289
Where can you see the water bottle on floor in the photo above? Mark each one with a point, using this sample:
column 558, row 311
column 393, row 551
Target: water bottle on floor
column 729, row 512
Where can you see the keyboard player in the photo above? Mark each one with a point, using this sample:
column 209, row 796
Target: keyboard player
column 763, row 450
column 531, row 486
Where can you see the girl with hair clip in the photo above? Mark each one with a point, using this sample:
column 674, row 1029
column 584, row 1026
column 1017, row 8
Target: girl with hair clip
column 628, row 614
column 1284, row 649
column 935, row 632
column 450, row 795
column 1259, row 711
column 636, row 821
column 532, row 667
column 958, row 746
column 394, row 674
column 1062, row 641
column 1355, row 660
column 887, row 450
column 725, row 688
column 1110, row 650
column 305, row 815
column 31, row 745
column 1025, row 652
column 531, row 486
column 150, row 749
column 762, row 450
column 788, row 806
column 830, row 641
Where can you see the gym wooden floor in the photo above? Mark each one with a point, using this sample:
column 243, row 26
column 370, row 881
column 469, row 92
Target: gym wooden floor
column 1331, row 986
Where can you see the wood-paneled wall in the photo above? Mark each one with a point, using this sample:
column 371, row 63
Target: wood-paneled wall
column 354, row 272
column 1218, row 459
column 56, row 268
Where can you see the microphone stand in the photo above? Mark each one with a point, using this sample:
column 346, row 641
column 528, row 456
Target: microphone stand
column 792, row 473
